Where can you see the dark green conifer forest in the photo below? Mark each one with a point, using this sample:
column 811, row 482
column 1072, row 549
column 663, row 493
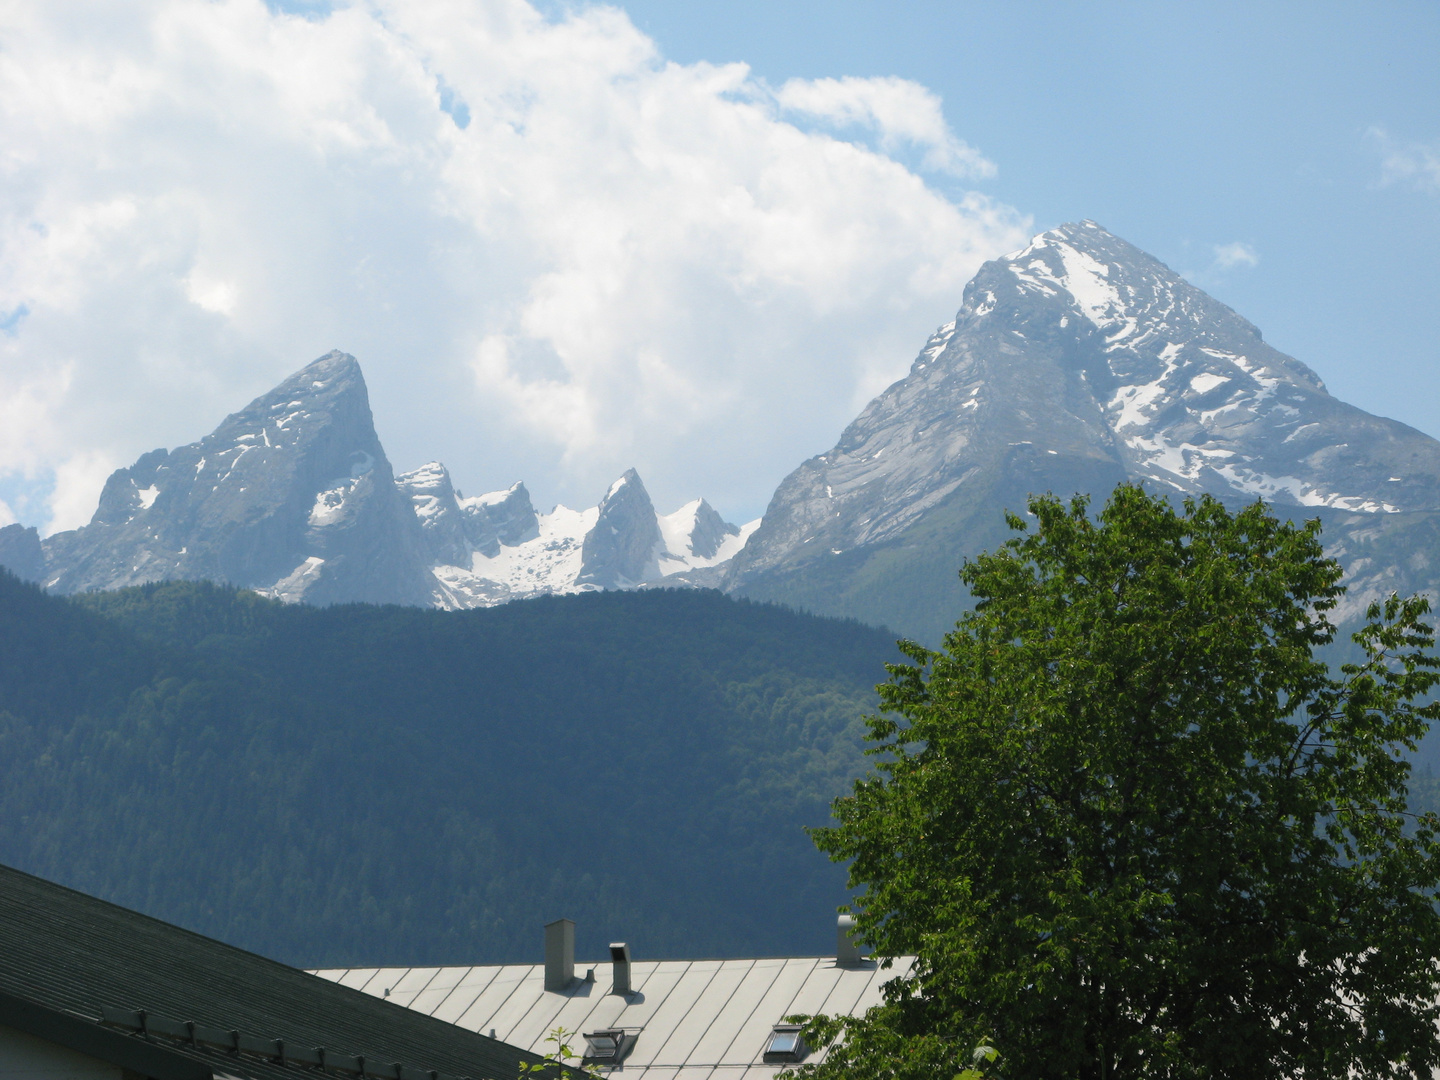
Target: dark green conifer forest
column 370, row 785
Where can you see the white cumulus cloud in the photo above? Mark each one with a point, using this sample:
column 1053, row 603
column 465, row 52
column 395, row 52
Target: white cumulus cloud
column 899, row 111
column 555, row 253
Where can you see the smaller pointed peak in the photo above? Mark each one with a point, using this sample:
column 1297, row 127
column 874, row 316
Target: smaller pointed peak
column 516, row 493
column 620, row 550
column 429, row 466
column 628, row 478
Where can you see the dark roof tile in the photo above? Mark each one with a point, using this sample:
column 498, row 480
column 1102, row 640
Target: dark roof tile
column 73, row 954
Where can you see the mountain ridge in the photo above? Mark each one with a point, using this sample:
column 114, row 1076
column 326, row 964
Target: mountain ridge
column 1073, row 363
column 294, row 497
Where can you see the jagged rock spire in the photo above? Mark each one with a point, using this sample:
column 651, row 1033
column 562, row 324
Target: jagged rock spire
column 292, row 495
column 621, row 551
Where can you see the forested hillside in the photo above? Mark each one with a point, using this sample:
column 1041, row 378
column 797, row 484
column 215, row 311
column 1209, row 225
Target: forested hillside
column 362, row 784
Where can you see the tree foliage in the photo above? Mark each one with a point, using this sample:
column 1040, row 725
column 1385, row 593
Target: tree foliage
column 1130, row 826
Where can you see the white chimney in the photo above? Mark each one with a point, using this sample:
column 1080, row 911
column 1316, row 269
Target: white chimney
column 847, row 950
column 559, row 954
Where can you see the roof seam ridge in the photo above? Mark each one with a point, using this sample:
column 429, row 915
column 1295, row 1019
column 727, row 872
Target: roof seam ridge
column 691, row 1007
column 721, row 1010
column 759, row 1000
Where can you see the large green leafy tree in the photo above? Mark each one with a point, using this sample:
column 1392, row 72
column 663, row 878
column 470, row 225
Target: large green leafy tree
column 1131, row 826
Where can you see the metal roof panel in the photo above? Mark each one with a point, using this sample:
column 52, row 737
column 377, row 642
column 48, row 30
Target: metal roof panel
column 721, row 1034
column 523, row 998
column 671, row 1013
column 467, row 991
column 873, row 994
column 438, row 989
column 654, row 982
column 544, row 1014
column 405, row 989
column 815, row 989
column 355, row 978
column 750, row 1037
column 848, row 988
column 708, row 1006
column 480, row 1016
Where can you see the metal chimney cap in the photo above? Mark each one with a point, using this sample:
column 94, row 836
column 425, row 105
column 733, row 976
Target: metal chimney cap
column 620, row 967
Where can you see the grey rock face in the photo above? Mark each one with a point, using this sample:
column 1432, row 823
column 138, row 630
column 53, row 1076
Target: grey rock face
column 710, row 531
column 506, row 518
column 442, row 524
column 1071, row 365
column 21, row 554
column 292, row 496
column 622, row 550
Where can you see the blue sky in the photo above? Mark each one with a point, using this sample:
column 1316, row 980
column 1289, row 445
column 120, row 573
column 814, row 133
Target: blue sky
column 568, row 239
column 1180, row 127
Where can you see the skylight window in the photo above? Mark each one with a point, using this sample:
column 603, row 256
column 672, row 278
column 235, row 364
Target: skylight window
column 609, row 1045
column 786, row 1044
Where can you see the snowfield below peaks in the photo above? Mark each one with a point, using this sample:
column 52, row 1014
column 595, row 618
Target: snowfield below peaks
column 511, row 553
column 547, row 563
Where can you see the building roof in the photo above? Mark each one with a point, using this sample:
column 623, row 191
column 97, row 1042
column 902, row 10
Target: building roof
column 691, row 1018
column 76, row 968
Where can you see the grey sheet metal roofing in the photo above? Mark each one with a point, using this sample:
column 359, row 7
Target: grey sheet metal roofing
column 692, row 1018
column 66, row 957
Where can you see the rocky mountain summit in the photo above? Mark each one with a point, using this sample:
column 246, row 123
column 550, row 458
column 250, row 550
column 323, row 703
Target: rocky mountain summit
column 1073, row 364
column 294, row 497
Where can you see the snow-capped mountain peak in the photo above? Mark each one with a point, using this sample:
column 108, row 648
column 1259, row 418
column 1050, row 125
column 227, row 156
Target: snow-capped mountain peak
column 441, row 518
column 1193, row 397
column 695, row 537
column 1074, row 363
column 621, row 551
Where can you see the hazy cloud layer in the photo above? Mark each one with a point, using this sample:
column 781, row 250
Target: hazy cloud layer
column 555, row 254
column 1413, row 163
column 1228, row 256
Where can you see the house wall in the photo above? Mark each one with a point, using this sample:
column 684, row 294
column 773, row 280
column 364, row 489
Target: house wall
column 24, row 1057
